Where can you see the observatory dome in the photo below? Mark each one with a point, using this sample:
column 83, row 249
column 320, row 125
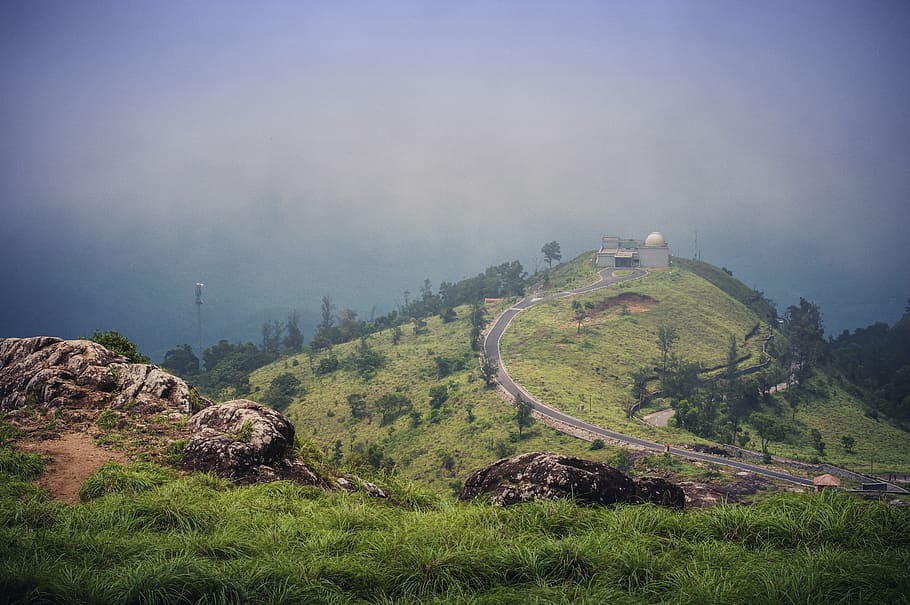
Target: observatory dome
column 655, row 240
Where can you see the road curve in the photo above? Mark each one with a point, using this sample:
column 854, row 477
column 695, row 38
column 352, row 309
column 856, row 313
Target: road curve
column 492, row 350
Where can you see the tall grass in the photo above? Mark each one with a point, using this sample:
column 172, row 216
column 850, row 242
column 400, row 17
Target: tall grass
column 198, row 540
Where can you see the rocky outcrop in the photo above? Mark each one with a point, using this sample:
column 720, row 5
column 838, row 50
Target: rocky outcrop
column 545, row 476
column 53, row 372
column 245, row 441
column 656, row 490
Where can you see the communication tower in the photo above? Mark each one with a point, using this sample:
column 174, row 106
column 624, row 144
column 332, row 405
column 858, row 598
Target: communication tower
column 199, row 301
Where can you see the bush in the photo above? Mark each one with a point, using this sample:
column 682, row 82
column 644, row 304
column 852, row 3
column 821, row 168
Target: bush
column 327, row 365
column 121, row 345
column 597, row 444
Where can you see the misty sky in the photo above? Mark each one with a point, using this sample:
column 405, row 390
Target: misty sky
column 280, row 151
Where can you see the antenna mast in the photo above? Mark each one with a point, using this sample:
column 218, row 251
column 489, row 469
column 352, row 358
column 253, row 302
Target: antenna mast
column 199, row 302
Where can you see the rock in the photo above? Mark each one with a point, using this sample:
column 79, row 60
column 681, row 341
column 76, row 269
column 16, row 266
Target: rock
column 245, row 441
column 543, row 476
column 656, row 490
column 53, row 372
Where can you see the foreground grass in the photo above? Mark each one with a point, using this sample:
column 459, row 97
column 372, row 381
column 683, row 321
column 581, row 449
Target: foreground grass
column 200, row 540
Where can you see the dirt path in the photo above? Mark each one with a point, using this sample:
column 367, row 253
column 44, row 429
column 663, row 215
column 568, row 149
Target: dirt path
column 72, row 458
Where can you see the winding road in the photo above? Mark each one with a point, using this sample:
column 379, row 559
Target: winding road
column 492, row 350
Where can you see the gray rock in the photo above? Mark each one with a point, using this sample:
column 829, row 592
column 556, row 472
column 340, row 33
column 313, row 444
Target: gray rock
column 245, row 441
column 53, row 372
column 544, row 476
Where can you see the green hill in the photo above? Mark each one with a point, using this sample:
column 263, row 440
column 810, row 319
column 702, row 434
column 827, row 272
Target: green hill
column 384, row 416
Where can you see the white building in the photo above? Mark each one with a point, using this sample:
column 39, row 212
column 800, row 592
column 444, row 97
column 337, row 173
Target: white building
column 618, row 252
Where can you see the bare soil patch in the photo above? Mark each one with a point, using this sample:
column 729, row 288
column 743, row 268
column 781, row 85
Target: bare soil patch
column 71, row 459
column 627, row 301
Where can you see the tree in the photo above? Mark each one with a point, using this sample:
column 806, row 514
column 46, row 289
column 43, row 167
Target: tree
column 358, row 405
column 181, row 361
column 293, row 340
column 117, row 343
column 477, row 322
column 271, row 339
column 551, row 252
column 848, row 442
column 666, row 337
column 281, row 392
column 806, row 334
column 732, row 356
column 489, row 370
column 523, row 415
column 581, row 312
column 767, row 427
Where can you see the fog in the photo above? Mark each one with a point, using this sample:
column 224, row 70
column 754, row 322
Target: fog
column 280, row 152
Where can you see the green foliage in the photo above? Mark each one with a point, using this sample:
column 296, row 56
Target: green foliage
column 112, row 478
column 365, row 361
column 107, row 419
column 21, row 465
column 118, row 343
column 523, row 417
column 550, row 253
column 283, row 389
column 597, row 444
column 327, row 365
column 848, row 442
column 245, row 434
column 181, row 361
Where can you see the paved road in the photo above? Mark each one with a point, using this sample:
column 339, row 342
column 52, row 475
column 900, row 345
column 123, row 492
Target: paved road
column 660, row 418
column 492, row 350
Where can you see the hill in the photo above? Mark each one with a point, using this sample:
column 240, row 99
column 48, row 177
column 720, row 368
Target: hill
column 414, row 399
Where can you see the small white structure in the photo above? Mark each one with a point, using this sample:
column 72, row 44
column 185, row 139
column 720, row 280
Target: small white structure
column 618, row 252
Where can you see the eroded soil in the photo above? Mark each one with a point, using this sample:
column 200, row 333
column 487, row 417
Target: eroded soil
column 71, row 458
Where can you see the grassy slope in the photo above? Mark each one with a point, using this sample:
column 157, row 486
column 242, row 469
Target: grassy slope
column 544, row 353
column 196, row 539
column 324, row 416
column 836, row 413
column 705, row 304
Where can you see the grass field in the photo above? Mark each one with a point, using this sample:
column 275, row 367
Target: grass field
column 544, row 351
column 199, row 540
column 439, row 454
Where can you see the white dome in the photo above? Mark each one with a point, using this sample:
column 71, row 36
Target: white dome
column 656, row 240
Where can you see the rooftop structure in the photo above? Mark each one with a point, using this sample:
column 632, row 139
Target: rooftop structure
column 653, row 251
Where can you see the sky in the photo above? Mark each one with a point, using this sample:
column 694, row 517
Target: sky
column 283, row 151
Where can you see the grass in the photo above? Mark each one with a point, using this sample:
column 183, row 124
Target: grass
column 544, row 352
column 835, row 413
column 474, row 428
column 193, row 540
column 576, row 273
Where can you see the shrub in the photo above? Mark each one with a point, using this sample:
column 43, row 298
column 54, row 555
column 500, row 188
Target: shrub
column 597, row 444
column 121, row 345
column 107, row 419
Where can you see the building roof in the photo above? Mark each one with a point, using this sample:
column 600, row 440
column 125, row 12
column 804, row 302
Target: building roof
column 655, row 240
column 826, row 480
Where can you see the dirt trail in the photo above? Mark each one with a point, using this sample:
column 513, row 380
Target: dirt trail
column 72, row 458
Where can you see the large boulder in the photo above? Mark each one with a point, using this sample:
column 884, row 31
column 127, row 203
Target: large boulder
column 53, row 372
column 543, row 476
column 245, row 441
